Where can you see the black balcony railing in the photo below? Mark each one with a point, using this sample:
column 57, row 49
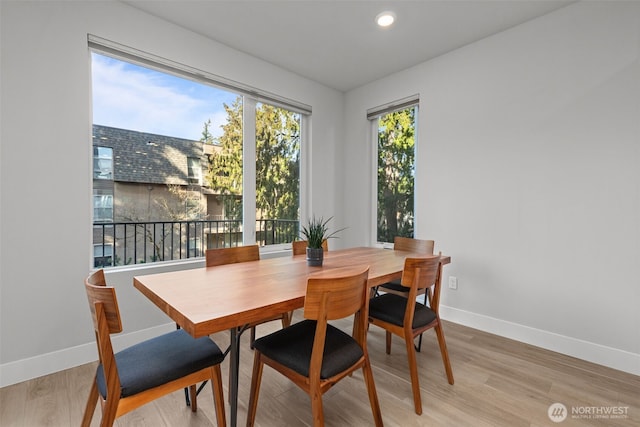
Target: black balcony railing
column 126, row 243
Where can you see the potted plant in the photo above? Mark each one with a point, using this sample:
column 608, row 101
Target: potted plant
column 315, row 232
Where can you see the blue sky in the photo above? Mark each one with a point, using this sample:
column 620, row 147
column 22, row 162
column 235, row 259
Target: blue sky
column 131, row 97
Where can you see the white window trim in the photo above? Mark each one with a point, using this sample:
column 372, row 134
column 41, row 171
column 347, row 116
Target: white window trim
column 248, row 170
column 373, row 226
column 373, row 115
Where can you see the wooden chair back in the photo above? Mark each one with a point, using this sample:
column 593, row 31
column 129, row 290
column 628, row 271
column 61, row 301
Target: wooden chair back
column 299, row 247
column 99, row 292
column 434, row 300
column 222, row 256
column 336, row 294
column 106, row 321
column 413, row 245
column 422, row 273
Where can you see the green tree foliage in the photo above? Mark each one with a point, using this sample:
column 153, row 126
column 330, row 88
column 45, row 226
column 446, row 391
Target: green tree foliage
column 396, row 158
column 225, row 166
column 277, row 162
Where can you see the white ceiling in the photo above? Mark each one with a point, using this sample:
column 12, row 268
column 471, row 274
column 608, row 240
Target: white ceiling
column 336, row 42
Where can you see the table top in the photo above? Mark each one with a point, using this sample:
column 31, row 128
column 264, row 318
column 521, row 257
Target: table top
column 212, row 299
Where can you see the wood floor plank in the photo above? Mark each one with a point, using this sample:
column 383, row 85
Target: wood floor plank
column 13, row 401
column 498, row 382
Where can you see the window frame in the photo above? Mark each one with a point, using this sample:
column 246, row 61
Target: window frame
column 102, row 195
column 373, row 115
column 194, row 165
column 97, row 157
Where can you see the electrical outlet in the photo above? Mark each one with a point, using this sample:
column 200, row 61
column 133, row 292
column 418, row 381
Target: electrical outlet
column 453, row 282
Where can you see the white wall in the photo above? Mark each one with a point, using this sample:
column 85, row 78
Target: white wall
column 45, row 177
column 528, row 175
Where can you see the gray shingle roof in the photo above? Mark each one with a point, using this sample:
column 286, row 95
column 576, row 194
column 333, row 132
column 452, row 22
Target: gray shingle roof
column 145, row 157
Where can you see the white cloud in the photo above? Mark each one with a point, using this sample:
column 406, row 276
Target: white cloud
column 131, row 98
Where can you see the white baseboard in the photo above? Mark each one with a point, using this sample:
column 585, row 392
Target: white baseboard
column 45, row 364
column 596, row 353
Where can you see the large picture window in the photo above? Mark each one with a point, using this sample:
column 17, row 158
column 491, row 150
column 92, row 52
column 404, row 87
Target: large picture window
column 191, row 164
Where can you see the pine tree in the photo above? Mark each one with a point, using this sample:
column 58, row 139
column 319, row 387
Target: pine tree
column 396, row 139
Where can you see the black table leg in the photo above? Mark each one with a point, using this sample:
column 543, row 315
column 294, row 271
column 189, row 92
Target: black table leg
column 234, row 370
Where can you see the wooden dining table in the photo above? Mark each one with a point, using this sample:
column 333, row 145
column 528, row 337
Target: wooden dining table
column 207, row 300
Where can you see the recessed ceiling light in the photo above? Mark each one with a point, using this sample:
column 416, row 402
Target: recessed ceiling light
column 385, row 19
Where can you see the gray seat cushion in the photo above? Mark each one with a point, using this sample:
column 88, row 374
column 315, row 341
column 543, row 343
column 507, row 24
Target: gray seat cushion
column 292, row 347
column 160, row 360
column 390, row 308
column 395, row 285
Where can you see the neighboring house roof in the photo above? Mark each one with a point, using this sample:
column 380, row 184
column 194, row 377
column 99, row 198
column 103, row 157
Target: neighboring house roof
column 147, row 158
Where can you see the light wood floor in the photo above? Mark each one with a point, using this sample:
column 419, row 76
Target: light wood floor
column 498, row 382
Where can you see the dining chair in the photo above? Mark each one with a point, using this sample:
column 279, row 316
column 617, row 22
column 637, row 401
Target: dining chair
column 148, row 370
column 232, row 255
column 411, row 245
column 406, row 318
column 314, row 354
column 299, row 247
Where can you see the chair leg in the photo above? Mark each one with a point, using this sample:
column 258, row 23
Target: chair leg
column 373, row 395
column 444, row 352
column 425, row 303
column 90, row 408
column 413, row 369
column 109, row 412
column 194, row 397
column 256, row 379
column 388, row 342
column 218, row 395
column 316, row 405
